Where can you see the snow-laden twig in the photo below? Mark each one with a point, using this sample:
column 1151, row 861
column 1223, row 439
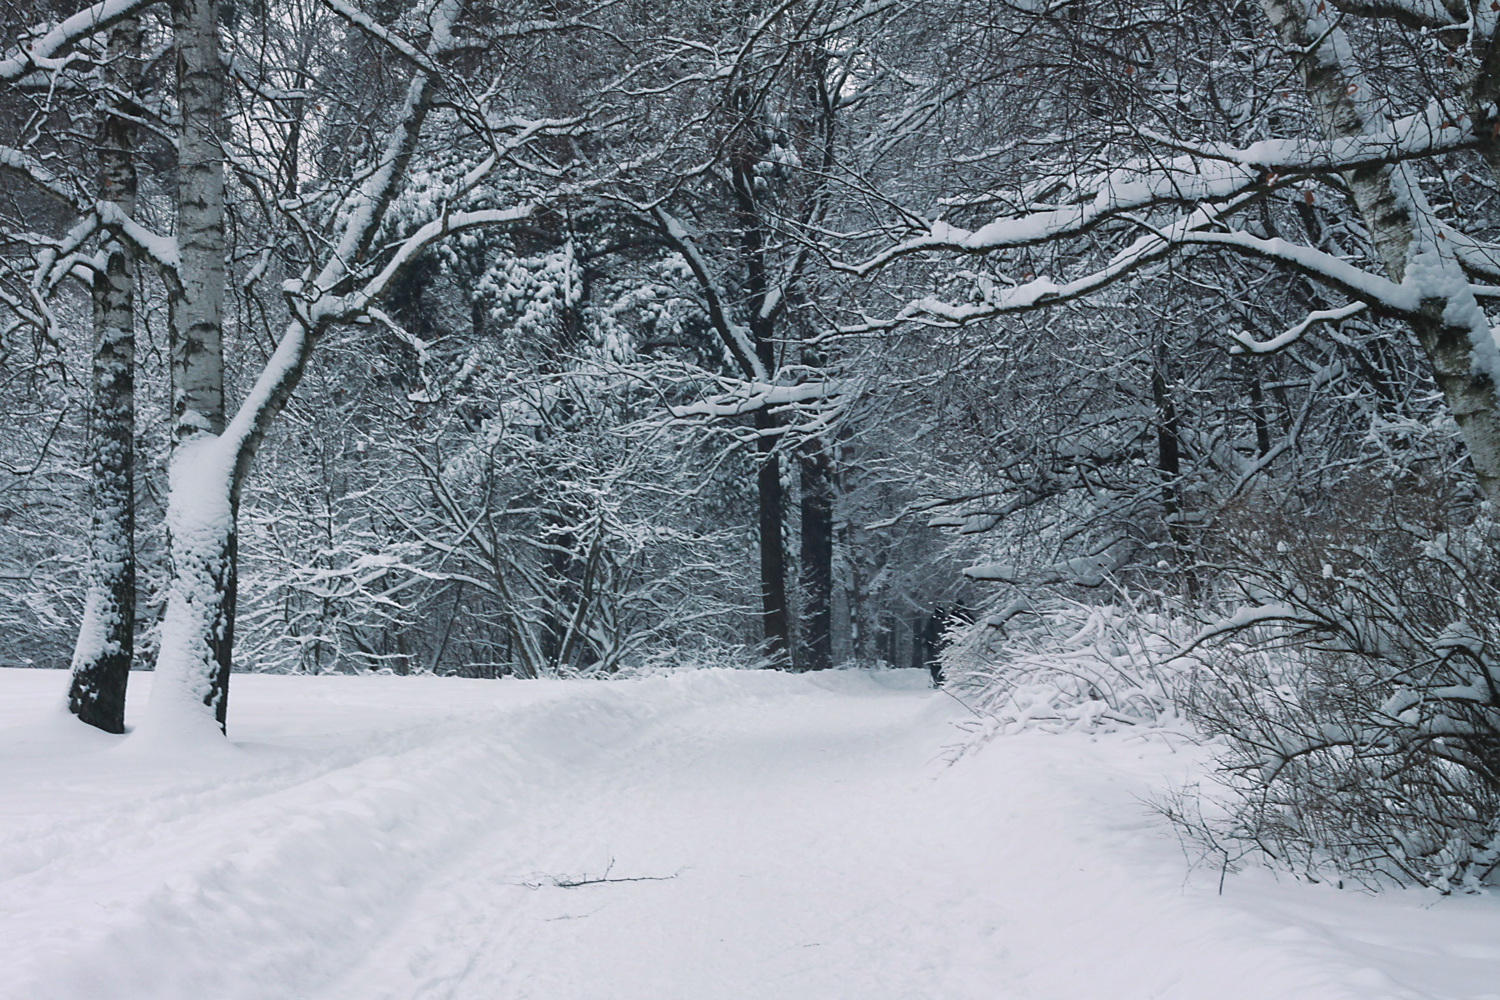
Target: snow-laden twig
column 1248, row 344
column 49, row 50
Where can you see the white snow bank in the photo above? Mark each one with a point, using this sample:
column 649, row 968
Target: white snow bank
column 799, row 837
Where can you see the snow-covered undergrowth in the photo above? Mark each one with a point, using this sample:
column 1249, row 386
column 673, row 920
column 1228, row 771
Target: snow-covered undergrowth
column 1355, row 690
column 1352, row 715
column 1074, row 668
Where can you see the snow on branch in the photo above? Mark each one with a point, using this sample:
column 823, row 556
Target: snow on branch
column 370, row 26
column 525, row 29
column 56, row 261
column 1249, row 345
column 751, row 396
column 735, row 336
column 1429, row 132
column 1205, row 172
column 1242, row 619
column 19, row 164
column 161, row 249
column 367, row 206
column 48, row 50
column 1043, row 291
column 419, row 347
column 1411, row 13
column 1475, row 256
column 358, row 302
column 1081, row 571
column 1117, row 193
column 1405, row 298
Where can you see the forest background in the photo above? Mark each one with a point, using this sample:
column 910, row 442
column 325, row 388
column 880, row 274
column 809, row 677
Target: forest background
column 1129, row 360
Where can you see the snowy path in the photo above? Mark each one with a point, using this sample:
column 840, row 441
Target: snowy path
column 395, row 837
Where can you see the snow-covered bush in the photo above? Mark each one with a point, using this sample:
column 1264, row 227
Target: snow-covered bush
column 1357, row 690
column 1349, row 682
column 1073, row 667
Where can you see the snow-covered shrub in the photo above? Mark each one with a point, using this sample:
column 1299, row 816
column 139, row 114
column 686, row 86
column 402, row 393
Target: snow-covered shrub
column 1357, row 690
column 1073, row 667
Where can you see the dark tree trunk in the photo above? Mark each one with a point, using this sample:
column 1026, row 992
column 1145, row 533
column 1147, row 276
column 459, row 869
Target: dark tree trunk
column 223, row 646
column 1168, row 448
column 851, row 576
column 932, row 640
column 1258, row 413
column 106, row 636
column 815, row 646
column 926, row 638
column 772, row 503
column 771, row 497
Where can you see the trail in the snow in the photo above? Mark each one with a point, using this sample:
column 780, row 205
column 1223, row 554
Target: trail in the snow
column 786, row 854
column 794, row 837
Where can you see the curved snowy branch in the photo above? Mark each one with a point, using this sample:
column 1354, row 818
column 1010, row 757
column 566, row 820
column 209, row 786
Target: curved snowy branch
column 356, row 303
column 1248, row 344
column 735, row 337
column 19, row 164
column 752, row 396
column 1204, row 172
column 48, row 50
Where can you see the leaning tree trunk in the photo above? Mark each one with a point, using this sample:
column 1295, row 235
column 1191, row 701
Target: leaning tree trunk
column 106, row 636
column 1450, row 326
column 211, row 462
column 192, row 669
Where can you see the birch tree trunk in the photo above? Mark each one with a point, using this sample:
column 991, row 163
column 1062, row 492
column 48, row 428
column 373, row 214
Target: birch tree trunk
column 211, row 461
column 198, row 631
column 197, row 309
column 106, row 635
column 1451, row 327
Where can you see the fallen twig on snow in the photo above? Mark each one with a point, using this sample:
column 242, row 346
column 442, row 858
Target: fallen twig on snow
column 537, row 880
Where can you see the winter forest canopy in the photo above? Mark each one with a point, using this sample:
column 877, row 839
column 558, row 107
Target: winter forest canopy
column 1129, row 360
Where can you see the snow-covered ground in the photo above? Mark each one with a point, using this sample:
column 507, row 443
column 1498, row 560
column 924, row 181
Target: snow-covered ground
column 795, row 837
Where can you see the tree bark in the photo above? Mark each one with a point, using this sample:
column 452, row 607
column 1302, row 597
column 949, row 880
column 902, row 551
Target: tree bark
column 212, row 461
column 1450, row 326
column 198, row 306
column 853, row 637
column 106, row 636
column 1258, row 416
column 771, row 500
column 1168, row 447
column 198, row 632
column 776, row 630
column 815, row 635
